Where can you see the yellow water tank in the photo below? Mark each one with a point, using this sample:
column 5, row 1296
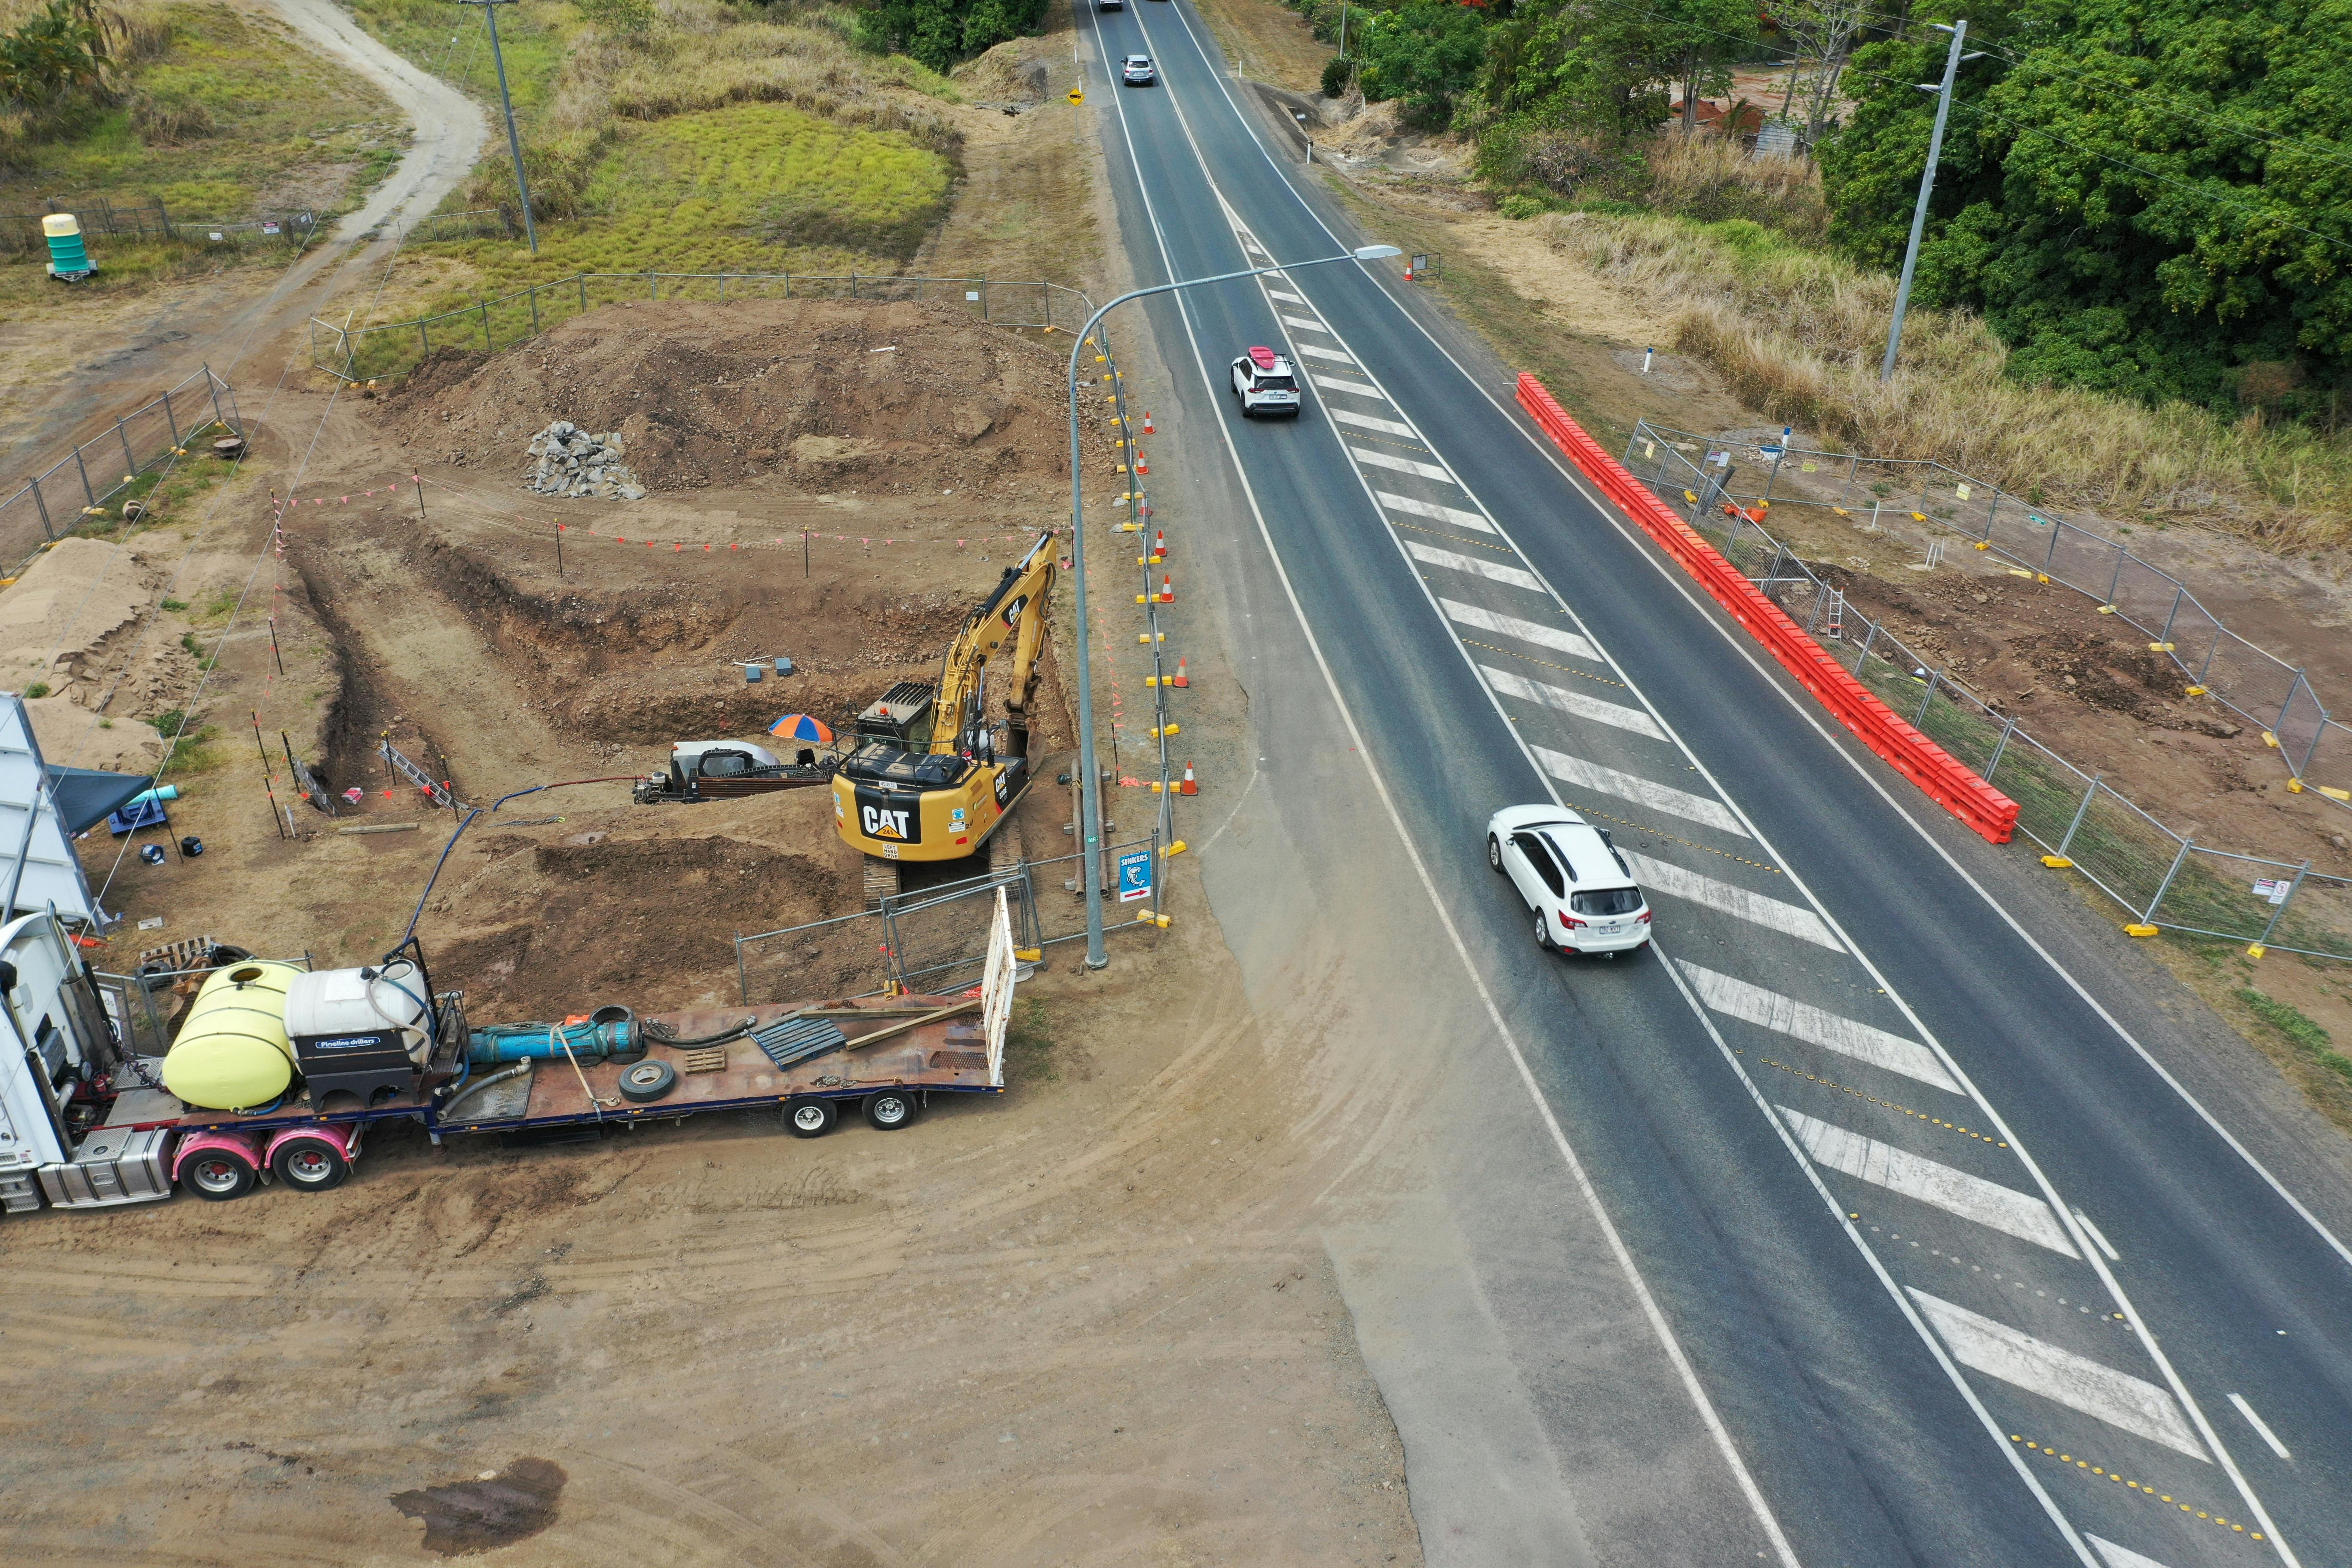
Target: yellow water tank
column 232, row 1053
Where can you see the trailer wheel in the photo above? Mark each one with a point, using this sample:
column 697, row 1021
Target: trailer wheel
column 310, row 1165
column 890, row 1110
column 218, row 1174
column 811, row 1118
column 648, row 1080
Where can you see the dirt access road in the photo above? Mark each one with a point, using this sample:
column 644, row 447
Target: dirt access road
column 230, row 319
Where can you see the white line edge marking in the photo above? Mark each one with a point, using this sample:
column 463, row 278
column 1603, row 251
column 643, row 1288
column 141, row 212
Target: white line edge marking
column 1619, row 1252
column 2262, row 1427
column 2093, row 1233
column 2123, row 1556
column 1949, row 1188
column 1609, row 513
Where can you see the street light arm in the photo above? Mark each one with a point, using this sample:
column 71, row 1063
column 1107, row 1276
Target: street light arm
column 1090, row 775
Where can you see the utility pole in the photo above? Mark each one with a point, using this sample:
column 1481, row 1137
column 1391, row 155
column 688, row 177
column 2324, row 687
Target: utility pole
column 514, row 140
column 1959, row 31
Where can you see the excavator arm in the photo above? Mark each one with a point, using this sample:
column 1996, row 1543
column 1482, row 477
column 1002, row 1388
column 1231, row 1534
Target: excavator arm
column 1014, row 609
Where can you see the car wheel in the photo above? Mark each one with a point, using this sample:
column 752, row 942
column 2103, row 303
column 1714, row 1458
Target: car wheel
column 310, row 1165
column 1543, row 932
column 810, row 1117
column 1493, row 855
column 218, row 1175
column 890, row 1110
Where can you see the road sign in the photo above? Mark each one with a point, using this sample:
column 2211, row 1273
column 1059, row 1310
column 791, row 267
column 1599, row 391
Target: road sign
column 1135, row 875
column 1077, row 95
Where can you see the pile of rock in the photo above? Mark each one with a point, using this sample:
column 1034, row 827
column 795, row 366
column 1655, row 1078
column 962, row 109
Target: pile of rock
column 569, row 461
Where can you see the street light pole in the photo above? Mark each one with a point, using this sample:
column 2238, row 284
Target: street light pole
column 1959, row 31
column 514, row 140
column 1090, row 777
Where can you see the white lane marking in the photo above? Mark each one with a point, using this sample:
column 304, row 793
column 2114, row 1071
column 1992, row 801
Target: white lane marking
column 1385, row 426
column 2120, row 1556
column 1848, row 1037
column 1312, row 352
column 1939, row 1186
column 1622, row 1255
column 1402, row 465
column 1674, row 802
column 1278, row 294
column 1512, row 627
column 2097, row 1241
column 2262, row 1427
column 1575, row 702
column 2060, row 1376
column 1333, row 383
column 1430, row 508
column 1493, row 571
column 1659, row 876
column 1304, row 323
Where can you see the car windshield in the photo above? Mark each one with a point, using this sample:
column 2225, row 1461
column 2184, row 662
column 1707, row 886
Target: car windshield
column 1140, row 62
column 1606, row 902
column 1276, row 384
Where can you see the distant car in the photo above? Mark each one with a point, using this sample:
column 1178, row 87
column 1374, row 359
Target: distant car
column 1583, row 894
column 1110, row 5
column 1136, row 70
column 1265, row 384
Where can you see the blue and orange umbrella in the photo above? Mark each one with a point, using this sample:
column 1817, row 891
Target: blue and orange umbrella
column 802, row 727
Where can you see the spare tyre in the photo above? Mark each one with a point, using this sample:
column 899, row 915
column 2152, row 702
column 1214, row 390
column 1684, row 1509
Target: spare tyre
column 648, row 1080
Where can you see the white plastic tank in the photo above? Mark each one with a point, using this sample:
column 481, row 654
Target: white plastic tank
column 335, row 1003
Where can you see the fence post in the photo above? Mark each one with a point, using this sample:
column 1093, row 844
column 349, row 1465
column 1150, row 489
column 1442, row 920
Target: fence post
column 1864, row 656
column 170, row 418
column 583, row 290
column 2115, row 582
column 742, row 984
column 2166, row 886
column 488, row 345
column 1993, row 514
column 1999, row 747
column 83, row 468
column 212, row 386
column 1851, row 469
column 2056, row 527
column 534, row 311
column 34, row 484
column 2280, row 914
column 2317, row 732
column 1925, row 698
column 2179, row 594
column 124, row 437
column 2279, row 722
column 423, row 338
column 2080, row 812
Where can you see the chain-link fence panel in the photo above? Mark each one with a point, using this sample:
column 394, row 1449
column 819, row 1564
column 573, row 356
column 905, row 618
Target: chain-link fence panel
column 2125, row 850
column 2219, row 894
column 2048, row 789
column 87, row 487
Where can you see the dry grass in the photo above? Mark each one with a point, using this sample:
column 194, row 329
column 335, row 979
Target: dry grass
column 1713, row 179
column 1799, row 332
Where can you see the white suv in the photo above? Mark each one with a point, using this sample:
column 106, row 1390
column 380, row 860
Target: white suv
column 1265, row 384
column 1584, row 895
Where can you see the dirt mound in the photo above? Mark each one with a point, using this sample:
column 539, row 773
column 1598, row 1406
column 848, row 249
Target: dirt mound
column 825, row 394
column 643, row 921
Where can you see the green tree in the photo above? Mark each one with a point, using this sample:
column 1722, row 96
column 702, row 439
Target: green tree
column 58, row 48
column 1606, row 68
column 940, row 33
column 1425, row 54
column 2152, row 197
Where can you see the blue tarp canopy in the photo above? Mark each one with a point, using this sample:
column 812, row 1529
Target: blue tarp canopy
column 87, row 796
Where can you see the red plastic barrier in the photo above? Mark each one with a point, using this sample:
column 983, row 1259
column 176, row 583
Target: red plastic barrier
column 1950, row 783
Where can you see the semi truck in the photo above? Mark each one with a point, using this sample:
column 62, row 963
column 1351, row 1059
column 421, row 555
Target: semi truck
column 237, row 1072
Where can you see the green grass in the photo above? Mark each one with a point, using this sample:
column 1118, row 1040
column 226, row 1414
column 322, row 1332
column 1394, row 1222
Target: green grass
column 2300, row 1031
column 453, row 45
column 1029, row 1044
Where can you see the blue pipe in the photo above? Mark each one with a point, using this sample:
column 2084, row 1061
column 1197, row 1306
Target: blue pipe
column 528, row 1042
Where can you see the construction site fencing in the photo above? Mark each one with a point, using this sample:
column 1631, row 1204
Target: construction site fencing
column 21, row 232
column 83, row 485
column 2261, row 688
column 395, row 348
column 935, row 939
column 2161, row 878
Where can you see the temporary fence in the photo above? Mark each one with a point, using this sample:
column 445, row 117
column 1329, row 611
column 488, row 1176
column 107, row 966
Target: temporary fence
column 84, row 484
column 474, row 223
column 2163, row 879
column 396, row 347
column 21, row 232
column 2261, row 688
column 931, row 940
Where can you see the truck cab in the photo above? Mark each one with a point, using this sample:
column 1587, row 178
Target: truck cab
column 62, row 1076
column 1264, row 382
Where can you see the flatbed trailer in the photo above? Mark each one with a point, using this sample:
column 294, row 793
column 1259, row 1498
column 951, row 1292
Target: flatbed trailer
column 72, row 1138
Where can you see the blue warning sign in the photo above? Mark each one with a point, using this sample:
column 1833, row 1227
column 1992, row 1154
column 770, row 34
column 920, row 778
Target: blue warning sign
column 1135, row 875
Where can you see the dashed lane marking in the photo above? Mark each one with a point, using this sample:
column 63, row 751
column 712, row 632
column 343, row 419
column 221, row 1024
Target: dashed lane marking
column 2116, row 1556
column 1333, row 383
column 1313, row 351
column 1304, row 323
column 1898, row 1109
column 1575, row 702
column 1792, row 920
column 1387, row 427
column 1431, row 509
column 1674, row 802
column 1525, row 631
column 1472, row 543
column 1814, row 1026
column 1401, row 464
column 2058, row 1375
column 1278, row 294
column 1930, row 1181
column 1493, row 571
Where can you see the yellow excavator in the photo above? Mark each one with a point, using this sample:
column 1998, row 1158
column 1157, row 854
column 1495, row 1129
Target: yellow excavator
column 929, row 779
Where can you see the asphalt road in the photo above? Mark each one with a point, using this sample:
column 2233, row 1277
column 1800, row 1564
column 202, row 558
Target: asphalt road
column 1927, row 1259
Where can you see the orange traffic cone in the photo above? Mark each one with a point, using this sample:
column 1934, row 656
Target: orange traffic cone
column 1147, row 424
column 1167, row 590
column 1180, row 677
column 1159, row 542
column 1191, row 788
column 1140, row 465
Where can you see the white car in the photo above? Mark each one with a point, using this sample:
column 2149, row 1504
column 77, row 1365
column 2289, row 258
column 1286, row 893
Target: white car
column 1265, row 384
column 1583, row 894
column 1136, row 70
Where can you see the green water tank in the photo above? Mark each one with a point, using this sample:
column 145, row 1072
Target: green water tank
column 70, row 260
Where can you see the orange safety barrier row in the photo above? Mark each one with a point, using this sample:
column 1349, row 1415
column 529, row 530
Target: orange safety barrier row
column 1949, row 781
